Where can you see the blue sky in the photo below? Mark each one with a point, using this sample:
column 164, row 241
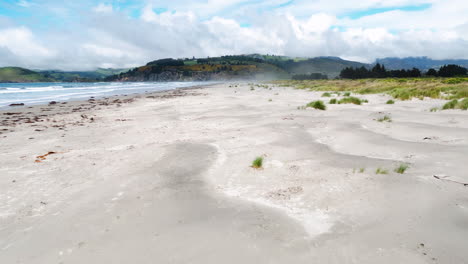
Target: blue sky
column 42, row 33
column 52, row 13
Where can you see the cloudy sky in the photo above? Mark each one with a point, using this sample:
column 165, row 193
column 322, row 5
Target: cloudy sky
column 85, row 34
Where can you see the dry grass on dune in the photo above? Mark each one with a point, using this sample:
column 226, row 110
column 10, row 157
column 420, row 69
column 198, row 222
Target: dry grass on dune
column 403, row 89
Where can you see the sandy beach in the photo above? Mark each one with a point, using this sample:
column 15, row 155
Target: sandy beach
column 166, row 178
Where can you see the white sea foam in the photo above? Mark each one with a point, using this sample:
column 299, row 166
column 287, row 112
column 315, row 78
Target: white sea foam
column 37, row 93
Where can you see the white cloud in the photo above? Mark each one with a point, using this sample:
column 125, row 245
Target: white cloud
column 106, row 36
column 24, row 3
column 20, row 43
column 103, row 8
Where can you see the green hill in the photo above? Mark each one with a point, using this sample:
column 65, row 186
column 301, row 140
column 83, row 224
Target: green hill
column 16, row 74
column 81, row 76
column 205, row 69
column 330, row 66
column 253, row 66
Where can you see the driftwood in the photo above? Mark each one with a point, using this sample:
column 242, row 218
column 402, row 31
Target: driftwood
column 444, row 178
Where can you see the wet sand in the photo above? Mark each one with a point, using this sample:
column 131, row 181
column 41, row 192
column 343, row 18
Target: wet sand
column 166, row 178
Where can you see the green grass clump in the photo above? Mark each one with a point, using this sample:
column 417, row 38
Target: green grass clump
column 450, row 105
column 460, row 93
column 350, row 100
column 463, row 104
column 381, row 171
column 402, row 168
column 326, row 95
column 317, row 105
column 362, row 170
column 347, row 94
column 455, row 80
column 386, row 118
column 257, row 163
column 333, row 101
column 455, row 104
column 390, row 102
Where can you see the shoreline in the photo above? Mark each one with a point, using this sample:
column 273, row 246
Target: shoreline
column 84, row 98
column 63, row 107
column 158, row 171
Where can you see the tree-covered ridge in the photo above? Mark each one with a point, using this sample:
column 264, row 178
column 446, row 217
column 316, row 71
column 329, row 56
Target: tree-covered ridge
column 219, row 68
column 237, row 67
column 379, row 71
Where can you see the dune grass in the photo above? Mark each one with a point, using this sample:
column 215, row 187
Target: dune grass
column 450, row 105
column 381, row 171
column 398, row 88
column 326, row 95
column 320, row 105
column 350, row 100
column 456, row 104
column 385, row 118
column 463, row 104
column 333, row 101
column 402, row 168
column 390, row 102
column 257, row 163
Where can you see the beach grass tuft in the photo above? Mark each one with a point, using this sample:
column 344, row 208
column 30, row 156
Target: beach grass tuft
column 402, row 168
column 333, row 101
column 450, row 105
column 257, row 163
column 455, row 104
column 381, row 171
column 390, row 102
column 386, row 118
column 326, row 94
column 320, row 105
column 350, row 100
column 463, row 104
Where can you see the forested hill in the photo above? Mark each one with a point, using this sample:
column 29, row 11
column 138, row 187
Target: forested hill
column 254, row 66
column 81, row 76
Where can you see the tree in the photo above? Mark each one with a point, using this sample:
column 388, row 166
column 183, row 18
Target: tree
column 378, row 71
column 431, row 72
column 452, row 70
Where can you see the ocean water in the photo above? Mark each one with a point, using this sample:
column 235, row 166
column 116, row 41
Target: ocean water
column 39, row 93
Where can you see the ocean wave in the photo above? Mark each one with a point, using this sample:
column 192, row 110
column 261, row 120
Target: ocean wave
column 37, row 93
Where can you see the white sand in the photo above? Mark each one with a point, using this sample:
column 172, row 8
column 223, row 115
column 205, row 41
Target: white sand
column 168, row 180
